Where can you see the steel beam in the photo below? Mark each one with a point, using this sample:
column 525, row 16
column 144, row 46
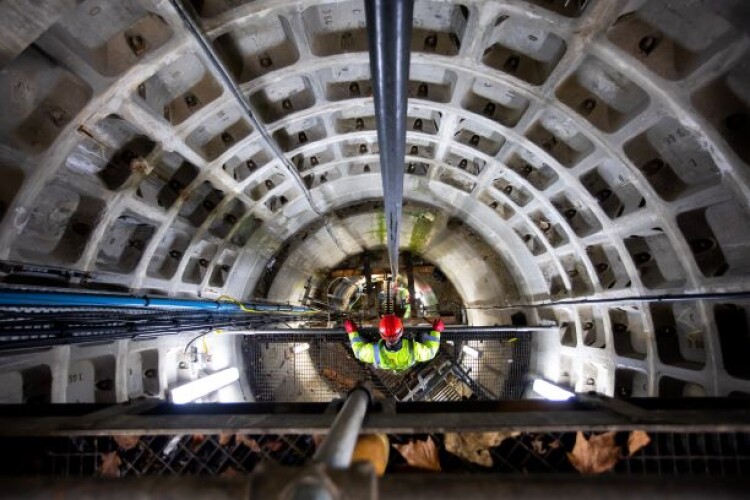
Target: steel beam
column 647, row 414
column 389, row 24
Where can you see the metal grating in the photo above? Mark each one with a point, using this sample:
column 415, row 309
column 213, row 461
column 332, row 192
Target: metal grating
column 328, row 369
column 668, row 454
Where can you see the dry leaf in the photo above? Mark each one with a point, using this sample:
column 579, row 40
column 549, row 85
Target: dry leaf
column 248, row 441
column 555, row 444
column 636, row 441
column 230, row 472
column 420, row 454
column 474, row 446
column 127, row 442
column 318, row 440
column 273, row 445
column 538, row 446
column 225, row 439
column 594, row 455
column 110, row 466
column 196, row 440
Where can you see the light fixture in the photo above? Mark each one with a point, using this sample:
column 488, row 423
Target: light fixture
column 470, row 351
column 551, row 391
column 204, row 386
column 300, row 348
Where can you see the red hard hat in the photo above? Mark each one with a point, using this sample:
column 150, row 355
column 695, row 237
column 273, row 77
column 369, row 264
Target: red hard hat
column 391, row 328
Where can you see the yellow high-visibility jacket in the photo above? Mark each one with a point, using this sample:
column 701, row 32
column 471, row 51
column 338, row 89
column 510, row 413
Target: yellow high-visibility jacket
column 409, row 353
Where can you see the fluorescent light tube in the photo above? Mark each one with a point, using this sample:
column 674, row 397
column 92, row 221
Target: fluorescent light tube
column 470, row 351
column 300, row 348
column 551, row 391
column 204, row 386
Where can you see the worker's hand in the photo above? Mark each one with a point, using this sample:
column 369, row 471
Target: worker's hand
column 350, row 326
column 438, row 325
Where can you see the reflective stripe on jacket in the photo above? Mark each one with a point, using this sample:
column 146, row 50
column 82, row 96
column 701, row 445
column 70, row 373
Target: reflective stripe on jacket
column 410, row 353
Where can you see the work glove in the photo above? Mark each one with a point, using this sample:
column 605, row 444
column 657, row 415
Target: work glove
column 438, row 325
column 350, row 326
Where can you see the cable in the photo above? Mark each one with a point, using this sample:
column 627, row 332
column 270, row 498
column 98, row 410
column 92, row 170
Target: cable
column 245, row 106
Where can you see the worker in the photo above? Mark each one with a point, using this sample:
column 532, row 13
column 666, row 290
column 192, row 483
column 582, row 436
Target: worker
column 392, row 352
column 402, row 293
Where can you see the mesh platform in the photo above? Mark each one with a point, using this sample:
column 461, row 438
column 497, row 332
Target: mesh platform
column 668, row 454
column 280, row 370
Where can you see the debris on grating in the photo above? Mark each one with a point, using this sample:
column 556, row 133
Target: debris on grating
column 595, row 455
column 636, row 441
column 251, row 443
column 420, row 454
column 110, row 466
column 127, row 442
column 474, row 446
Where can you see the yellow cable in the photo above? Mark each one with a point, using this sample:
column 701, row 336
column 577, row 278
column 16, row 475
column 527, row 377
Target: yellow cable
column 243, row 308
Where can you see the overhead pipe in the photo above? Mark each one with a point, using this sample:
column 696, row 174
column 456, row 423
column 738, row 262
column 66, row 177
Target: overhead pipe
column 389, row 26
column 675, row 297
column 66, row 299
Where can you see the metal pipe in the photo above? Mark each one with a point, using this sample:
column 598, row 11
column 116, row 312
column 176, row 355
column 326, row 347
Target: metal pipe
column 53, row 299
column 680, row 297
column 448, row 333
column 389, row 25
column 338, row 445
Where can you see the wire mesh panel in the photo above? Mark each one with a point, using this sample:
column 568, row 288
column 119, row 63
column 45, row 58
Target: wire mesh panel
column 666, row 454
column 320, row 368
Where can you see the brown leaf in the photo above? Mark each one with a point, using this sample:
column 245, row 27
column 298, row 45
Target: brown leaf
column 474, row 446
column 196, row 440
column 555, row 444
column 318, row 439
column 636, row 441
column 538, row 446
column 230, row 472
column 110, row 466
column 127, row 442
column 420, row 454
column 595, row 455
column 225, row 439
column 248, row 441
column 273, row 445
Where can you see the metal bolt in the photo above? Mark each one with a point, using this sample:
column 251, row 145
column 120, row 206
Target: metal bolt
column 137, row 44
column 653, row 166
column 647, row 44
column 418, row 124
column 302, row 137
column 191, row 100
column 511, row 64
column 354, row 88
column 489, row 109
column 286, row 104
column 359, row 124
column 227, row 138
column 265, row 61
column 363, row 149
column 430, row 42
column 422, row 90
column 203, row 262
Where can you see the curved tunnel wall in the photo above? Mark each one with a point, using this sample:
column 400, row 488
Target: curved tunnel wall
column 599, row 147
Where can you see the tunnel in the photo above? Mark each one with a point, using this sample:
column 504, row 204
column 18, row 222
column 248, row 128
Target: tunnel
column 577, row 165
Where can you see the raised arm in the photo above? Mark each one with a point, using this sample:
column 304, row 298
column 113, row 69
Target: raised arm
column 428, row 348
column 363, row 351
